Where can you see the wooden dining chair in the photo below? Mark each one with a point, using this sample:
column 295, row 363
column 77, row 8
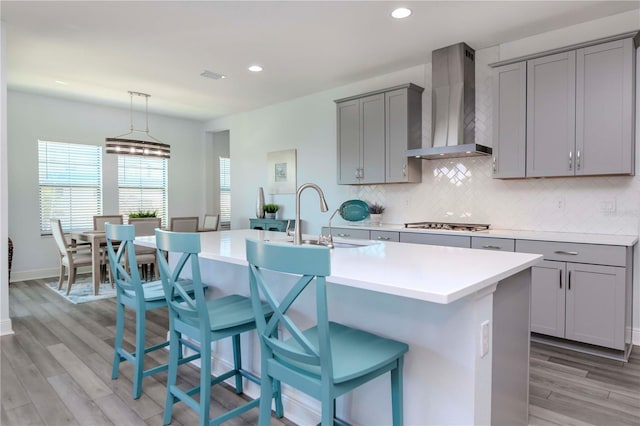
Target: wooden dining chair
column 71, row 257
column 326, row 360
column 204, row 321
column 184, row 224
column 210, row 222
column 146, row 256
column 99, row 221
column 141, row 297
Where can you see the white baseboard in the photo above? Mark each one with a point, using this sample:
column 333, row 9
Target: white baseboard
column 42, row 273
column 635, row 336
column 5, row 327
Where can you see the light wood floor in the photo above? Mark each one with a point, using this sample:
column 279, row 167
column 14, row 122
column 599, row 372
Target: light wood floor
column 56, row 370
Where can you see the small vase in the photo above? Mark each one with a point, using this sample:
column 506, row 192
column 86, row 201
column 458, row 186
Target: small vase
column 260, row 204
column 270, row 215
column 374, row 219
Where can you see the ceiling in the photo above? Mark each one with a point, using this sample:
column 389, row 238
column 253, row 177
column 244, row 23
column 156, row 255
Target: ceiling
column 104, row 49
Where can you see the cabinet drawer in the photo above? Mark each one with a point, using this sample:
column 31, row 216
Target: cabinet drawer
column 575, row 252
column 385, row 236
column 358, row 234
column 487, row 243
column 436, row 239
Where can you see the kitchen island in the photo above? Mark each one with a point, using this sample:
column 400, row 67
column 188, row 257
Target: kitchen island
column 437, row 299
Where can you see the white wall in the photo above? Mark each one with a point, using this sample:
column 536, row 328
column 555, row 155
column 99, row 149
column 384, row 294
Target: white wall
column 31, row 117
column 452, row 190
column 5, row 321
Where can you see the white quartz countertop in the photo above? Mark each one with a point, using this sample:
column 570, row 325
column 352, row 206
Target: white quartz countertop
column 565, row 237
column 424, row 272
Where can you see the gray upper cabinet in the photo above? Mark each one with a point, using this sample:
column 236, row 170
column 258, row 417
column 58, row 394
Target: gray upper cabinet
column 509, row 120
column 551, row 106
column 570, row 113
column 605, row 109
column 403, row 119
column 361, row 140
column 374, row 132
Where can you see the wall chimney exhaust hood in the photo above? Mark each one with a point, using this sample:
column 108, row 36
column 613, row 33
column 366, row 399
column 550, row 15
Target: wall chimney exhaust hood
column 453, row 100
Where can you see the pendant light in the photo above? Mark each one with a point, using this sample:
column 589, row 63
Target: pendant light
column 144, row 145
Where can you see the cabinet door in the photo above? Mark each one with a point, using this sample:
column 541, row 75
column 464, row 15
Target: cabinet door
column 372, row 133
column 604, row 108
column 403, row 120
column 509, row 120
column 359, row 234
column 436, row 239
column 595, row 304
column 548, row 298
column 348, row 142
column 551, row 106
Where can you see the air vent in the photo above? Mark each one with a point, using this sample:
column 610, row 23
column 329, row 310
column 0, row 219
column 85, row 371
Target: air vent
column 213, row 75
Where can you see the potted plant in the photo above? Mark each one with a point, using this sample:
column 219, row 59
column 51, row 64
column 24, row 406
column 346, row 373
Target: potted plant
column 270, row 210
column 375, row 213
column 143, row 213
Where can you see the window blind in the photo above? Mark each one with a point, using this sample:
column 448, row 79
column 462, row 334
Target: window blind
column 142, row 185
column 225, row 192
column 70, row 184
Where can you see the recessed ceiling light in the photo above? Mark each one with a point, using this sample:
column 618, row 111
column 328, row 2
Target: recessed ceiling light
column 64, row 83
column 401, row 12
column 255, row 68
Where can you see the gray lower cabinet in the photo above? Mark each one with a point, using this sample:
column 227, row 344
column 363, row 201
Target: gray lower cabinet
column 582, row 302
column 436, row 239
column 374, row 131
column 358, row 234
column 489, row 243
column 384, row 236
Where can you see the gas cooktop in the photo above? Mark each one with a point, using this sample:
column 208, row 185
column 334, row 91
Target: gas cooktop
column 447, row 226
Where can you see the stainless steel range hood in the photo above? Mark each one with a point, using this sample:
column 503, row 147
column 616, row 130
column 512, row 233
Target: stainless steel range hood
column 453, row 100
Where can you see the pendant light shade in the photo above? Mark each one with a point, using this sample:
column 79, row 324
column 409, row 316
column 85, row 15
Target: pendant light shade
column 138, row 142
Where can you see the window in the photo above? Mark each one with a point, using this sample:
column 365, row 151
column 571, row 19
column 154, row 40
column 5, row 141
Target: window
column 225, row 193
column 142, row 185
column 70, row 180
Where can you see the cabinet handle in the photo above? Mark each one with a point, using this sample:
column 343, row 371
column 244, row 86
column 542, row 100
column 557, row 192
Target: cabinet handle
column 361, row 173
column 357, row 174
column 569, row 281
column 570, row 159
column 578, row 160
column 384, row 238
column 560, row 277
column 494, row 164
column 572, row 253
column 492, row 247
column 404, row 170
column 344, row 235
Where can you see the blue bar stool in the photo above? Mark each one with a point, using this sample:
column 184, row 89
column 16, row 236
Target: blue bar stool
column 324, row 361
column 132, row 293
column 204, row 321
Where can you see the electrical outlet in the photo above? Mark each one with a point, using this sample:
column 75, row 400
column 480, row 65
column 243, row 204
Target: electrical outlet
column 484, row 338
column 608, row 206
column 560, row 203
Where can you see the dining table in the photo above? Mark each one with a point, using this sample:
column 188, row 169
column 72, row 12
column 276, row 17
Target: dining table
column 96, row 239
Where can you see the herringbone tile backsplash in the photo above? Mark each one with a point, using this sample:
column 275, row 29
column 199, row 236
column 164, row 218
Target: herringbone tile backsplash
column 462, row 190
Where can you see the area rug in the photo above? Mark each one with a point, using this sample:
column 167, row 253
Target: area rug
column 82, row 290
